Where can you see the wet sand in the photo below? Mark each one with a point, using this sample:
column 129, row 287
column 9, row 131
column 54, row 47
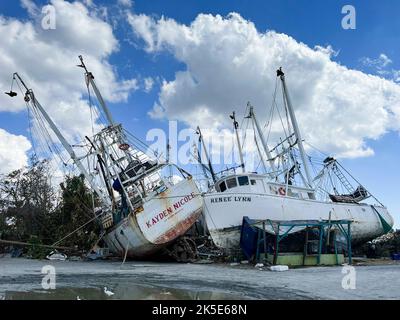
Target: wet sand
column 22, row 279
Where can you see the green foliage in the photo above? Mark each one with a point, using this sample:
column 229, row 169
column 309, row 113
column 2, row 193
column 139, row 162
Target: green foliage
column 34, row 210
column 75, row 210
column 35, row 251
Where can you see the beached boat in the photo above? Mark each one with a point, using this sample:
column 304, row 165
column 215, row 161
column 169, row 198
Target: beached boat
column 143, row 204
column 286, row 191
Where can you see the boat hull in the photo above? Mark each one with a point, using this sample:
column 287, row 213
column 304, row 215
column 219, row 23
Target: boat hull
column 162, row 220
column 224, row 214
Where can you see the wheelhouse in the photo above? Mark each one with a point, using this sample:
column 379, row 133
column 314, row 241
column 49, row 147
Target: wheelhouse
column 257, row 183
column 241, row 183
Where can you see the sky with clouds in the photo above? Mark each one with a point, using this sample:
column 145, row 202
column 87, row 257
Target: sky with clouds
column 197, row 61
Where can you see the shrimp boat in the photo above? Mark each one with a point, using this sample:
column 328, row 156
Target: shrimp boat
column 286, row 191
column 140, row 208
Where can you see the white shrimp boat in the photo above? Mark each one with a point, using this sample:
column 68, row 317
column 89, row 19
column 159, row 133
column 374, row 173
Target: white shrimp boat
column 278, row 195
column 140, row 208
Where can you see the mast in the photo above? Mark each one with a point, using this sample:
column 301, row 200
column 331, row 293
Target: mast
column 293, row 119
column 235, row 127
column 258, row 149
column 198, row 131
column 29, row 95
column 90, row 79
column 263, row 142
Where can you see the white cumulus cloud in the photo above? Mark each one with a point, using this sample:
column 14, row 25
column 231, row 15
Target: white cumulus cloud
column 229, row 62
column 13, row 150
column 47, row 59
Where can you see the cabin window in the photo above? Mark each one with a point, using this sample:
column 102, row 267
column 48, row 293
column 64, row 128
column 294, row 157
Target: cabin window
column 253, row 182
column 222, row 186
column 231, row 183
column 243, row 181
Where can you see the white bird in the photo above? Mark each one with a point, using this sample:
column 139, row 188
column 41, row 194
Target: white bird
column 108, row 292
column 77, row 298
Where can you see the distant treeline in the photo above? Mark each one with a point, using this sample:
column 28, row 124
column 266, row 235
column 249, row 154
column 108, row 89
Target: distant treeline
column 33, row 210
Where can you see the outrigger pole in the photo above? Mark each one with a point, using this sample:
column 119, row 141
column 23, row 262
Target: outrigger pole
column 252, row 115
column 292, row 115
column 30, row 96
column 210, row 167
column 90, row 79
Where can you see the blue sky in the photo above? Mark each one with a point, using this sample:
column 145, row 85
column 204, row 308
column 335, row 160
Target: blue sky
column 312, row 22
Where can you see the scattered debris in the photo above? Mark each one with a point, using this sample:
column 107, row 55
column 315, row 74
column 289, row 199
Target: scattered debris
column 208, row 250
column 204, row 262
column 16, row 253
column 55, row 255
column 396, row 256
column 183, row 250
column 98, row 253
column 244, row 261
column 234, row 264
column 75, row 258
column 279, row 268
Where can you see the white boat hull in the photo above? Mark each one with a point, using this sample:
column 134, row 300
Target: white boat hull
column 224, row 214
column 162, row 220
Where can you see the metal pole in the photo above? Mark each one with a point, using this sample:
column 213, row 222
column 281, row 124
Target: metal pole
column 321, row 229
column 100, row 98
column 265, row 242
column 206, row 153
column 263, row 142
column 235, row 127
column 258, row 149
column 30, row 95
column 67, row 147
column 295, row 128
column 349, row 241
column 90, row 79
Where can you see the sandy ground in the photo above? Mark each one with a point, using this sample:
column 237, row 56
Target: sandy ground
column 22, row 278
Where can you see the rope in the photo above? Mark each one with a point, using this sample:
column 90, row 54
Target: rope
column 76, row 230
column 126, row 251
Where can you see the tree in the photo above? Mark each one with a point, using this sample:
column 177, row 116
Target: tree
column 76, row 209
column 27, row 200
column 30, row 208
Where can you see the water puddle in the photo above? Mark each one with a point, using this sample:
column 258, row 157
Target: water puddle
column 121, row 292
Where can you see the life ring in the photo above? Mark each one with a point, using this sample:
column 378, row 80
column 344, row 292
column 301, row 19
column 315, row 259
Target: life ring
column 124, row 146
column 282, row 191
